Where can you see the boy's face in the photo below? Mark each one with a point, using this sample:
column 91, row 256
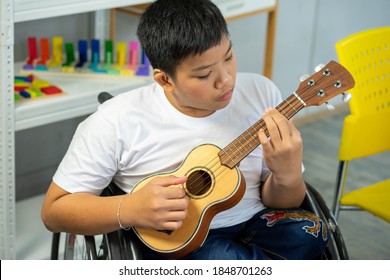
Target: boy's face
column 204, row 83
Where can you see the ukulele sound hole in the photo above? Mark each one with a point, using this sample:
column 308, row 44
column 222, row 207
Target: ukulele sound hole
column 199, row 183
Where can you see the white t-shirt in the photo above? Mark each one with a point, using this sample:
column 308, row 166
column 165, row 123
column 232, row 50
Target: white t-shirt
column 139, row 133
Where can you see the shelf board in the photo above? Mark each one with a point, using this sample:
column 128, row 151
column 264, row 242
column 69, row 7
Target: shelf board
column 234, row 9
column 25, row 10
column 79, row 99
column 230, row 9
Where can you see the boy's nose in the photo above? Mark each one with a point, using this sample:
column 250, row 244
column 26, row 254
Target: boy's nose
column 222, row 79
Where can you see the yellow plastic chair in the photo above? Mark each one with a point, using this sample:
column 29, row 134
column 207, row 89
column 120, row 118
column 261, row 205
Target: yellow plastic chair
column 366, row 130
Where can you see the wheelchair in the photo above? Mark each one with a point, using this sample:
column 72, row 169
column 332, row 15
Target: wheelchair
column 125, row 245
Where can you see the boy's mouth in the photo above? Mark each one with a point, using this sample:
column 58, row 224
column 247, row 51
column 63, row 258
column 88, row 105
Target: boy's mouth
column 226, row 96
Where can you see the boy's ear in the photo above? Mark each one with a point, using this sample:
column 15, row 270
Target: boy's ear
column 163, row 80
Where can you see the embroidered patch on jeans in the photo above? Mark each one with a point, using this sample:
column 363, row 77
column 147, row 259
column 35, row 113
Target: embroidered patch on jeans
column 275, row 216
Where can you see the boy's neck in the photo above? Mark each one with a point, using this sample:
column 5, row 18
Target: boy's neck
column 189, row 111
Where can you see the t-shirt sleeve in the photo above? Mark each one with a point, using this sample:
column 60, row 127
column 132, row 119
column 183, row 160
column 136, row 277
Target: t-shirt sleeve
column 90, row 161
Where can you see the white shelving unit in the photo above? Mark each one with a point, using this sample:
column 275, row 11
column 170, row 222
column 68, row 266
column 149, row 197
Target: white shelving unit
column 81, row 92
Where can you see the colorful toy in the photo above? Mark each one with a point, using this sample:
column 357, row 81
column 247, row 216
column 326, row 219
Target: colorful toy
column 133, row 55
column 108, row 52
column 83, row 53
column 45, row 55
column 112, row 63
column 121, row 54
column 32, row 50
column 30, row 86
column 57, row 52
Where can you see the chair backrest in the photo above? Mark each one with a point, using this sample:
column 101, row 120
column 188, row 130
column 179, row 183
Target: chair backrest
column 366, row 130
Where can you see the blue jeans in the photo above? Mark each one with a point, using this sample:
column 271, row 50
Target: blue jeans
column 293, row 234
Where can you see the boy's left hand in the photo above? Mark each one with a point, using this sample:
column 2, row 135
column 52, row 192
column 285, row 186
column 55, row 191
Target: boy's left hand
column 283, row 150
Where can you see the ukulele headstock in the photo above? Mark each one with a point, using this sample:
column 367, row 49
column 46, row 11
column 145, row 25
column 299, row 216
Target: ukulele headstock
column 329, row 81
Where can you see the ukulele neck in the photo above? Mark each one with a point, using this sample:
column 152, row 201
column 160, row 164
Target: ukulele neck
column 244, row 144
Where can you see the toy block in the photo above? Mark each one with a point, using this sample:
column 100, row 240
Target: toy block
column 121, row 53
column 83, row 50
column 127, row 72
column 34, row 93
column 45, row 52
column 40, row 83
column 28, row 67
column 51, row 90
column 95, row 52
column 57, row 48
column 143, row 70
column 57, row 52
column 16, row 96
column 21, row 83
column 69, row 54
column 41, row 67
column 68, row 69
column 113, row 71
column 27, row 79
column 108, row 54
column 32, row 50
column 99, row 70
column 25, row 94
column 145, row 59
column 20, row 87
column 133, row 55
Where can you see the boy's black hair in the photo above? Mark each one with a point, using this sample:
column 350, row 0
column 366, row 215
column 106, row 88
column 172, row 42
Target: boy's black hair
column 173, row 30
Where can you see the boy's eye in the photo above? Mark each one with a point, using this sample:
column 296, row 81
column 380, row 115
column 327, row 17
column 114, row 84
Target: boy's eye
column 204, row 77
column 230, row 57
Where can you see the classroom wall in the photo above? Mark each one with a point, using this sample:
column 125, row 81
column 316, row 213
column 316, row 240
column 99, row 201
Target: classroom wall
column 307, row 31
column 306, row 34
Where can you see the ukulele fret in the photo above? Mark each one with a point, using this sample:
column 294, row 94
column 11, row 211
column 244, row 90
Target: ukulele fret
column 292, row 107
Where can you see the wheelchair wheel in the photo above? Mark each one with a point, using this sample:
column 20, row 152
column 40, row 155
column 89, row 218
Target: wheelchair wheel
column 78, row 247
column 111, row 246
column 336, row 249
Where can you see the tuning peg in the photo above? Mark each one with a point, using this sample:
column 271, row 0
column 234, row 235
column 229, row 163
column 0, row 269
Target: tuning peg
column 329, row 106
column 319, row 67
column 304, row 77
column 346, row 97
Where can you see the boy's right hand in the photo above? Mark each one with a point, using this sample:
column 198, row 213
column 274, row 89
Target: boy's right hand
column 159, row 205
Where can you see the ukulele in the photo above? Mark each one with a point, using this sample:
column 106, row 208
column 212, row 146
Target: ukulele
column 214, row 182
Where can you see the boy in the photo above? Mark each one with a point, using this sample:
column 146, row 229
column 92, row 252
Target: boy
column 197, row 98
